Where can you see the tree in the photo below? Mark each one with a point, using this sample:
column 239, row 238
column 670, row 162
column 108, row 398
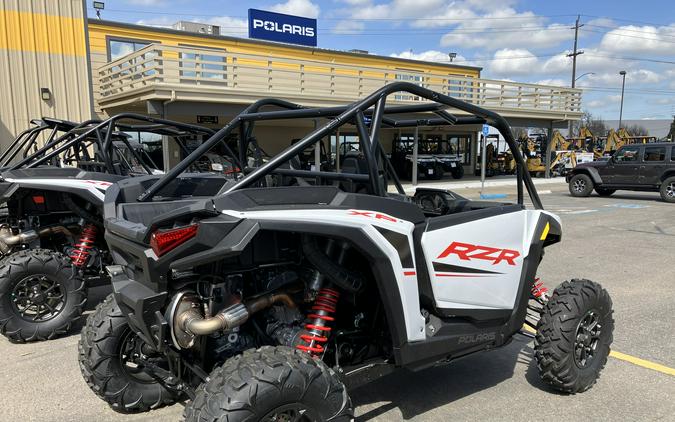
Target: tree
column 596, row 125
column 637, row 130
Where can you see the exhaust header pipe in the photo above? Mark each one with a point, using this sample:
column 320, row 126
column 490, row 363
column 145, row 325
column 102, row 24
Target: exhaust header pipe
column 188, row 321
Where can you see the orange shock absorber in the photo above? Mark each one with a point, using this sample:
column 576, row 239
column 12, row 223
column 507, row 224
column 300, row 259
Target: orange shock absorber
column 317, row 329
column 80, row 254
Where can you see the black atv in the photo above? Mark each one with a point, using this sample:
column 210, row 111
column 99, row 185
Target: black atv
column 263, row 304
column 51, row 243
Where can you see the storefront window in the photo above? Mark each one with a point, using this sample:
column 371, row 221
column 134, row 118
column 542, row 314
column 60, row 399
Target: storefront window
column 461, row 144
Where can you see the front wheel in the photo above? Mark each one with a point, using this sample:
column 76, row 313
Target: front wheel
column 271, row 384
column 113, row 359
column 574, row 335
column 581, row 185
column 668, row 189
column 41, row 295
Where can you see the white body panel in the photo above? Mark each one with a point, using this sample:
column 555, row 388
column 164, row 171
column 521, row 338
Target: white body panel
column 367, row 221
column 95, row 187
column 478, row 264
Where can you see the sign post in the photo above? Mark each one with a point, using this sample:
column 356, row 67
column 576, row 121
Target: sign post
column 486, row 131
column 271, row 26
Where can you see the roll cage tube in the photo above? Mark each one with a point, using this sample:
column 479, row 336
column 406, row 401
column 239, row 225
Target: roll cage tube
column 42, row 156
column 346, row 114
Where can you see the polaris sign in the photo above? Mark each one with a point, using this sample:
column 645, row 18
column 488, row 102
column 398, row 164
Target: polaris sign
column 272, row 26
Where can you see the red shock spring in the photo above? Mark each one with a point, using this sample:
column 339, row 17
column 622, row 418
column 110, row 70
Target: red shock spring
column 80, row 254
column 538, row 289
column 317, row 329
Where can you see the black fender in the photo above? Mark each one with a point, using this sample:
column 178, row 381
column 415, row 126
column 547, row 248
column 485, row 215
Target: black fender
column 668, row 173
column 592, row 172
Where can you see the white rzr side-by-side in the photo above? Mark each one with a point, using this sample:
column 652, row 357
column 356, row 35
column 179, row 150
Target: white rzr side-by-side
column 53, row 179
column 263, row 301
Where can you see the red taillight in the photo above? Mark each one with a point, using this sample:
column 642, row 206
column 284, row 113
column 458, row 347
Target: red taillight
column 162, row 241
column 38, row 199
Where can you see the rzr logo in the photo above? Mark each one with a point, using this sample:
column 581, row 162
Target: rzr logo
column 467, row 252
column 372, row 214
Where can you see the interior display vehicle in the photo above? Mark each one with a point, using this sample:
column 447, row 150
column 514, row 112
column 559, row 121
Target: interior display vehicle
column 637, row 167
column 51, row 243
column 267, row 303
column 434, row 158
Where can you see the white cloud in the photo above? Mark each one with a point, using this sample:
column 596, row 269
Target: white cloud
column 428, row 56
column 515, row 61
column 349, row 27
column 554, row 82
column 297, row 7
column 230, row 26
column 507, row 28
column 640, row 39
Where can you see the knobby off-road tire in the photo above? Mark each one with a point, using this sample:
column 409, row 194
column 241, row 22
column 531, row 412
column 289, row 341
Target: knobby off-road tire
column 41, row 295
column 458, row 172
column 581, row 185
column 604, row 191
column 574, row 335
column 105, row 345
column 667, row 190
column 269, row 384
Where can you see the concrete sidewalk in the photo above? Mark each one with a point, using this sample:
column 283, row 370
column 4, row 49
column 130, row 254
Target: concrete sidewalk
column 473, row 183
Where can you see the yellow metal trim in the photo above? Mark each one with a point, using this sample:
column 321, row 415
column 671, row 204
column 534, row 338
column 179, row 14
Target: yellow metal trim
column 37, row 32
column 545, row 232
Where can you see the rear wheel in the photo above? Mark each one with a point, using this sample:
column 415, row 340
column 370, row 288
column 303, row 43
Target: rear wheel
column 581, row 185
column 457, row 172
column 41, row 295
column 271, row 384
column 604, row 191
column 668, row 189
column 112, row 361
column 574, row 335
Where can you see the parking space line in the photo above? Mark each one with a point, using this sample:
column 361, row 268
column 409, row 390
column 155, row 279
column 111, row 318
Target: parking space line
column 630, row 359
column 642, row 362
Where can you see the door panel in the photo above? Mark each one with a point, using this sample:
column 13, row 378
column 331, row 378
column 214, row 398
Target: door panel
column 653, row 164
column 627, row 162
column 478, row 264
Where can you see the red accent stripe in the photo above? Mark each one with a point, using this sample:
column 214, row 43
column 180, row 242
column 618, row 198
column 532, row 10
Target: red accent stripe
column 409, row 273
column 460, row 275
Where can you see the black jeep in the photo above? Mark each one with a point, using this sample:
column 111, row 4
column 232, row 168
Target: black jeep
column 640, row 167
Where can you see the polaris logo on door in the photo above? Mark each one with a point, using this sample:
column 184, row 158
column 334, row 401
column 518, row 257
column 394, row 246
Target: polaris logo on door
column 279, row 27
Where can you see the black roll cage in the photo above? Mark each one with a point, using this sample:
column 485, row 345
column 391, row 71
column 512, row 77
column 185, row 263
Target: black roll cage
column 374, row 107
column 104, row 134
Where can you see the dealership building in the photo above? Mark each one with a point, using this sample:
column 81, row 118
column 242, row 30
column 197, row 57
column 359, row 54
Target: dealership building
column 57, row 62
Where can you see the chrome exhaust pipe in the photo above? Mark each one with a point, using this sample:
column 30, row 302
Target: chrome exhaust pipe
column 188, row 322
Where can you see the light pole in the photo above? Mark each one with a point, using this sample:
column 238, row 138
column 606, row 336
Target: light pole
column 623, row 85
column 452, row 56
column 581, row 76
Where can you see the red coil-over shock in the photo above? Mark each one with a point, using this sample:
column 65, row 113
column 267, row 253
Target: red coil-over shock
column 538, row 289
column 317, row 329
column 80, row 254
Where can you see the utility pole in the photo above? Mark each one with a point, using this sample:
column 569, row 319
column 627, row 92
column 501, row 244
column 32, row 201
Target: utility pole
column 623, row 85
column 574, row 55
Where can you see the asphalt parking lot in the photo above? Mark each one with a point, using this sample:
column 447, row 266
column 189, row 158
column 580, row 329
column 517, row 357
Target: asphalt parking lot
column 625, row 242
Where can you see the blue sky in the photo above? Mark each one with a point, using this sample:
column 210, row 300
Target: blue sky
column 525, row 41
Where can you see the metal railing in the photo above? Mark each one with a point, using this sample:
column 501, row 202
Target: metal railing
column 214, row 70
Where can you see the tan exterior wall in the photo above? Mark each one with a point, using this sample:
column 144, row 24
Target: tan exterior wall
column 42, row 45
